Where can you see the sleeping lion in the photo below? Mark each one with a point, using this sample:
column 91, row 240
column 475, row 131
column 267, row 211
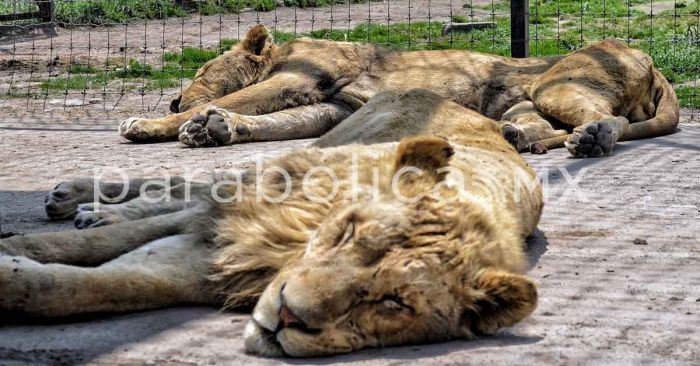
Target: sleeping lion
column 587, row 100
column 412, row 241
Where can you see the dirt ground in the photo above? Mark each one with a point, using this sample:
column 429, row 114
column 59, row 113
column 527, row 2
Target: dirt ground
column 603, row 298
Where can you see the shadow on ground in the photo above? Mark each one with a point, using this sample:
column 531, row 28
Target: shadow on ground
column 418, row 353
column 23, row 212
column 11, row 34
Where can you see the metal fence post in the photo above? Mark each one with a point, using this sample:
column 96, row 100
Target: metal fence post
column 46, row 9
column 519, row 28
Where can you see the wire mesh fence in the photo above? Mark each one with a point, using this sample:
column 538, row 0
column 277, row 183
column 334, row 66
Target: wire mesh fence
column 130, row 56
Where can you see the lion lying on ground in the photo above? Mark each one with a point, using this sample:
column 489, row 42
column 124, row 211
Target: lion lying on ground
column 422, row 238
column 305, row 87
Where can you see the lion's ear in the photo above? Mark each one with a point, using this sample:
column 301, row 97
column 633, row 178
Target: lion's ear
column 257, row 41
column 502, row 299
column 422, row 158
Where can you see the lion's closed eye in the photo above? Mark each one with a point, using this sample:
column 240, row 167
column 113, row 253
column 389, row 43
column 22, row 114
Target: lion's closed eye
column 59, row 196
column 391, row 305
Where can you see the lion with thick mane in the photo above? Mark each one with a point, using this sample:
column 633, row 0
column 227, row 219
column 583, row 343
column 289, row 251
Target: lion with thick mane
column 587, row 100
column 417, row 237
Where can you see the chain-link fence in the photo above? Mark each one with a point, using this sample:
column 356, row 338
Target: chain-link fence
column 130, row 56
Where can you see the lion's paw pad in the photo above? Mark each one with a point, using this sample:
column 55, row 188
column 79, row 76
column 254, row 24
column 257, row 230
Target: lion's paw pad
column 88, row 219
column 592, row 140
column 206, row 130
column 537, row 148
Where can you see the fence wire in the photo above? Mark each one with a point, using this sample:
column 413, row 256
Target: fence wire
column 131, row 55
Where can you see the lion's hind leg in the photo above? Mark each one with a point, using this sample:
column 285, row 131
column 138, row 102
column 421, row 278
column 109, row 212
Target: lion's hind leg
column 523, row 126
column 589, row 113
column 217, row 126
column 165, row 272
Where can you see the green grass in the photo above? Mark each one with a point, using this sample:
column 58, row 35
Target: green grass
column 102, row 12
column 570, row 8
column 688, row 96
column 210, row 7
column 223, row 6
column 424, row 36
column 190, row 54
column 84, row 77
column 82, row 69
column 460, row 19
column 16, row 7
column 135, row 75
column 77, row 82
column 691, row 7
column 114, row 11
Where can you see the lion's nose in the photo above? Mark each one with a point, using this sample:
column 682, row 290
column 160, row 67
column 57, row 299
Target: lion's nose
column 289, row 320
column 51, row 207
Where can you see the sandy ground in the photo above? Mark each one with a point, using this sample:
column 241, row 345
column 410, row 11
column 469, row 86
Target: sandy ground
column 604, row 299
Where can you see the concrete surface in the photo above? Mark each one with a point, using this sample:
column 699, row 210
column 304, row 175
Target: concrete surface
column 604, row 299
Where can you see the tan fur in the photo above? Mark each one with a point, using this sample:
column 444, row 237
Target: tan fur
column 364, row 268
column 64, row 199
column 305, row 87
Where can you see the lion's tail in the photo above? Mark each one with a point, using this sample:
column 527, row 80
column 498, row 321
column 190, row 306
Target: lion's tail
column 554, row 142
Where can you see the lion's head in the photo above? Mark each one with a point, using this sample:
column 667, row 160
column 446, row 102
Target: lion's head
column 234, row 70
column 393, row 271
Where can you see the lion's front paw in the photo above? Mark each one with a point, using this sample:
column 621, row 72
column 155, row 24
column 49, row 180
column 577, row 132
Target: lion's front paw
column 133, row 129
column 214, row 128
column 62, row 202
column 139, row 130
column 515, row 137
column 592, row 140
column 92, row 215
